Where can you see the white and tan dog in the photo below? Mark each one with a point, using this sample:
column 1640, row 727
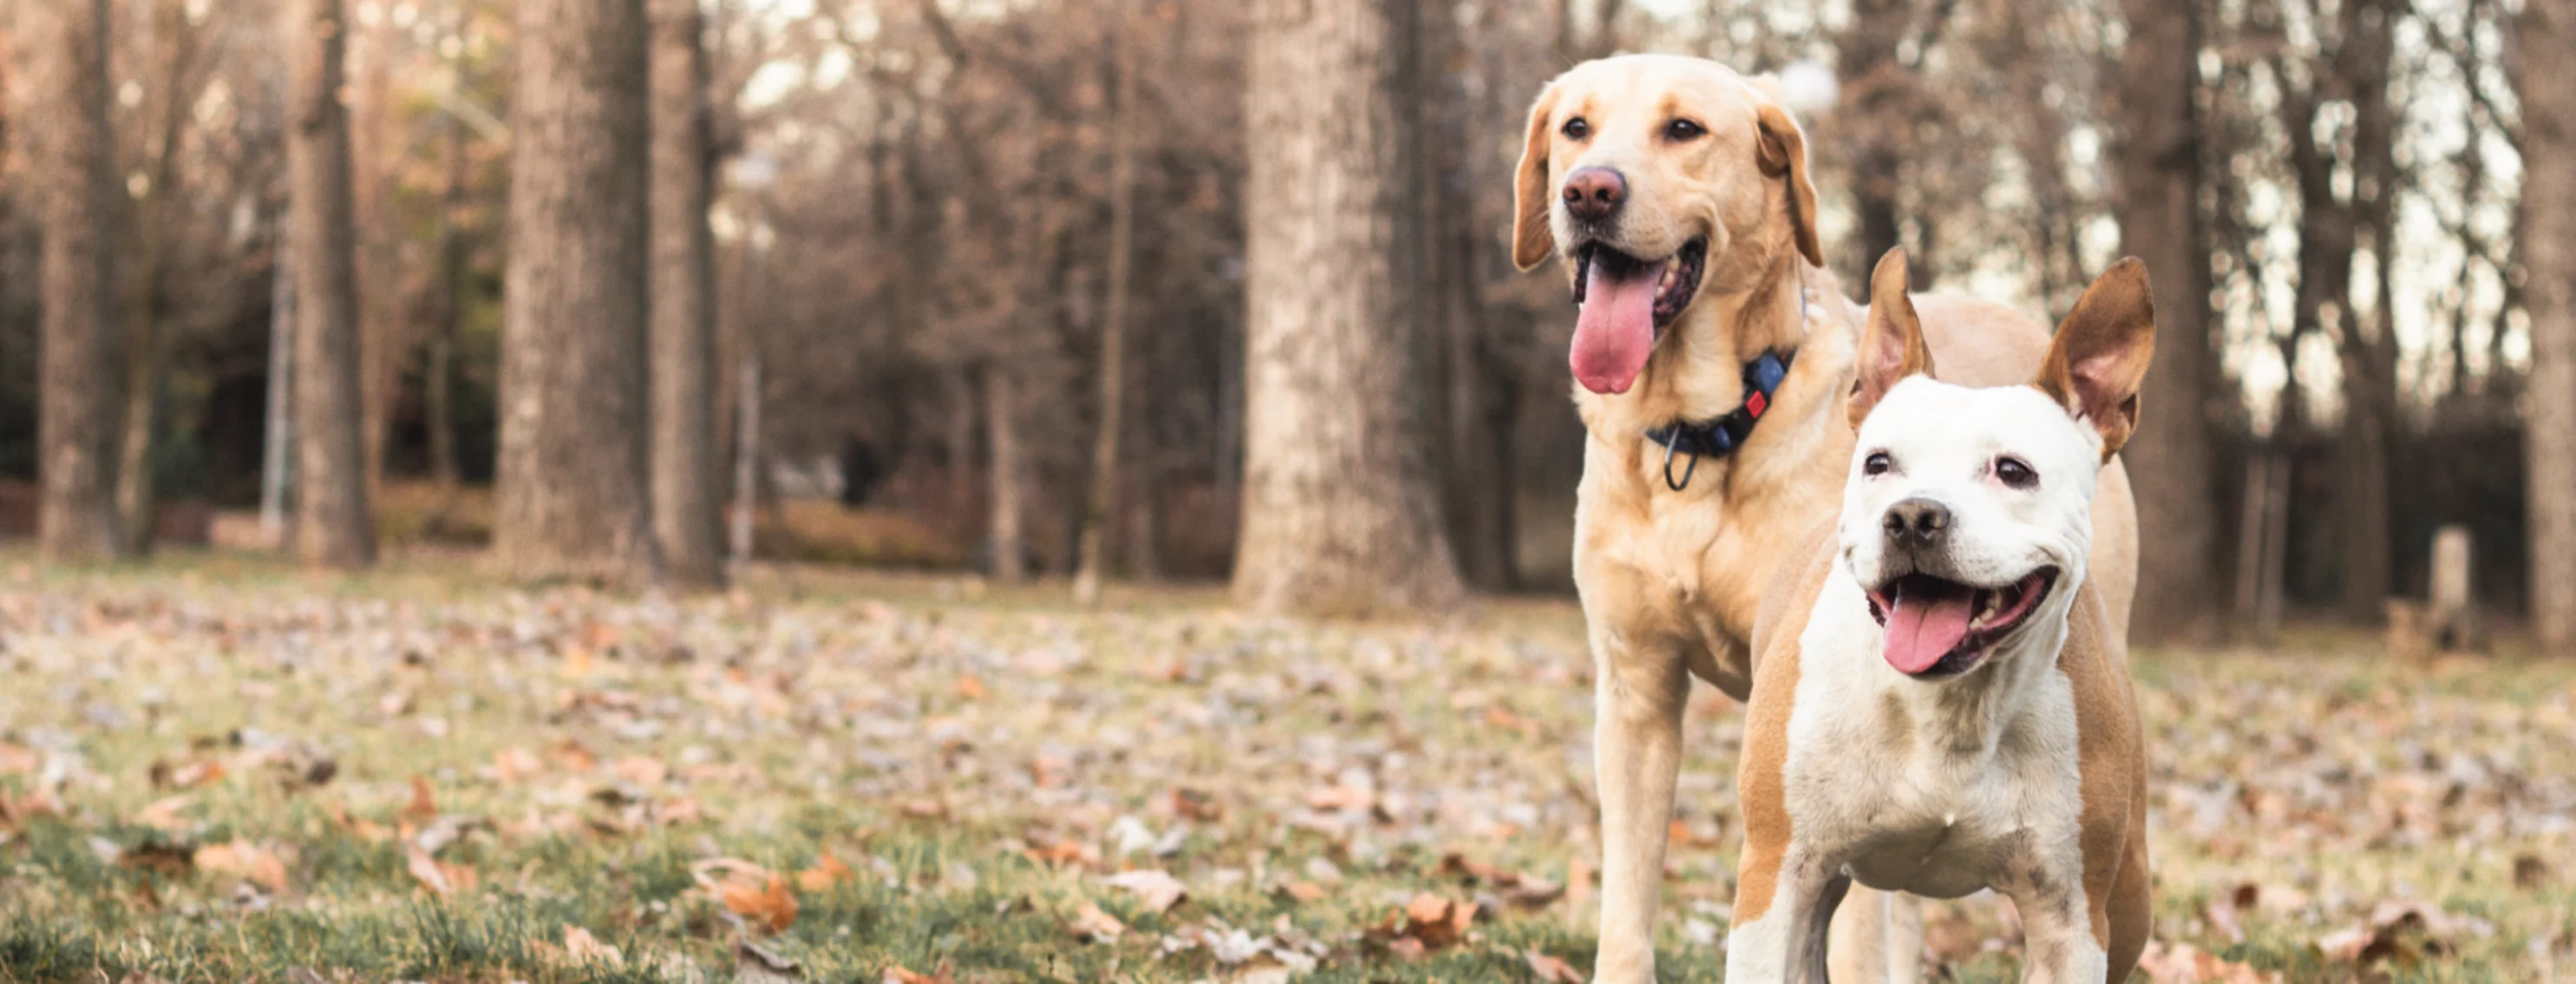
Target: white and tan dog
column 1941, row 704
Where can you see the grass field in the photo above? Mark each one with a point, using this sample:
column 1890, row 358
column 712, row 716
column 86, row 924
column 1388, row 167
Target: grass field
column 218, row 769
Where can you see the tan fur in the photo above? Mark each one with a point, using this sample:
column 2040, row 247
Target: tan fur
column 1671, row 581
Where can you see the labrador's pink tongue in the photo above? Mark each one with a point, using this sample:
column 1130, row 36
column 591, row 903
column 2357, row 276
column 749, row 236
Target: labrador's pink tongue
column 1616, row 330
column 1925, row 625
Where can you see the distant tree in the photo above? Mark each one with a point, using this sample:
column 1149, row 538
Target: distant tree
column 332, row 524
column 571, row 497
column 64, row 45
column 148, row 309
column 2545, row 32
column 1102, row 503
column 687, row 482
column 2170, row 460
column 1341, row 511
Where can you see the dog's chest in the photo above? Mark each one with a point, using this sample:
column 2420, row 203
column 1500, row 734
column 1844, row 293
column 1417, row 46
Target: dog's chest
column 1913, row 806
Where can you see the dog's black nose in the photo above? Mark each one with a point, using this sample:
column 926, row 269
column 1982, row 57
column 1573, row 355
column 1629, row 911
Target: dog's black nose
column 1917, row 523
column 1595, row 193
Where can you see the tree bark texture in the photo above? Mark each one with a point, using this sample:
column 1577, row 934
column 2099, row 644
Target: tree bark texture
column 2169, row 458
column 2542, row 37
column 687, row 479
column 332, row 524
column 71, row 164
column 1341, row 509
column 571, row 497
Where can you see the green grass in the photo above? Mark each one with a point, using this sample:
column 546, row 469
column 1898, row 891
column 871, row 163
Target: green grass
column 585, row 752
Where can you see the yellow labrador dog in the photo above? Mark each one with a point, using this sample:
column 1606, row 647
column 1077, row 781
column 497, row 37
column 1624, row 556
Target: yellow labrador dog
column 1712, row 358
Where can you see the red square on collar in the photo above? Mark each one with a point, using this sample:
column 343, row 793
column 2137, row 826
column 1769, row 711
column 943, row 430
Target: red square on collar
column 1755, row 404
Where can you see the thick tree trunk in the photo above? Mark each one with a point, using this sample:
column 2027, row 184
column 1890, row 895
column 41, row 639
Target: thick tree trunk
column 332, row 525
column 1341, row 508
column 71, row 158
column 687, row 503
column 1002, row 420
column 571, row 497
column 1102, row 503
column 2547, row 31
column 2369, row 344
column 2170, row 458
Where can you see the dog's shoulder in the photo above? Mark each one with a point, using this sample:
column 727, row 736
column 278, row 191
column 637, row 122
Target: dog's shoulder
column 1795, row 583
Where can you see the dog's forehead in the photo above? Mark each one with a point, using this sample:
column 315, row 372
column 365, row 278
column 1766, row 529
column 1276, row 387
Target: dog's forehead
column 1653, row 84
column 1925, row 416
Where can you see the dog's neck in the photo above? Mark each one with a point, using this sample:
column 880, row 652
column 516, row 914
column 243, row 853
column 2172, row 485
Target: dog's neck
column 1697, row 369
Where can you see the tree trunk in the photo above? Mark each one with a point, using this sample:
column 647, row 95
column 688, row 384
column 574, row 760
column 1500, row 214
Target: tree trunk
column 2369, row 345
column 1001, row 413
column 1341, row 507
column 571, row 497
column 687, row 506
column 1872, row 117
column 446, row 317
column 2170, row 458
column 137, row 502
column 71, row 158
column 2547, row 31
column 332, row 526
column 1102, row 503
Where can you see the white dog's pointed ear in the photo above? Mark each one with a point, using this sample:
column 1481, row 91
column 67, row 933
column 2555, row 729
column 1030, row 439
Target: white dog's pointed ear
column 1891, row 345
column 1532, row 241
column 2102, row 352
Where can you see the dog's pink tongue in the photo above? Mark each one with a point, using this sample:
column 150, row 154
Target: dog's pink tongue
column 1616, row 330
column 1923, row 627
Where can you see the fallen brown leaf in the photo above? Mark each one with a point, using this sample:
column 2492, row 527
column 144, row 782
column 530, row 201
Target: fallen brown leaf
column 1157, row 889
column 1551, row 970
column 1092, row 925
column 826, row 872
column 2180, row 963
column 248, row 862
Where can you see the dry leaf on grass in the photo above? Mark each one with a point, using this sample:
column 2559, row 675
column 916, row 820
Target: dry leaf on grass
column 1428, row 923
column 440, row 878
column 248, row 862
column 423, row 806
column 2403, row 931
column 1092, row 925
column 1551, row 970
column 754, row 964
column 582, row 948
column 897, row 975
column 826, row 872
column 748, row 890
column 2181, row 963
column 1157, row 889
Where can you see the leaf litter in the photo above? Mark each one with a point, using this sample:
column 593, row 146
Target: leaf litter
column 807, row 780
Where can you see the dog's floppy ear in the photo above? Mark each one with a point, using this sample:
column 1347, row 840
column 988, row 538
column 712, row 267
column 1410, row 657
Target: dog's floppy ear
column 1532, row 241
column 1891, row 345
column 1784, row 151
column 2102, row 352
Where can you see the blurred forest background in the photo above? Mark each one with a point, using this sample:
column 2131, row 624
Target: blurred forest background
column 964, row 283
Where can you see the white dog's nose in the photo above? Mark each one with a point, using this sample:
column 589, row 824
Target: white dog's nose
column 1916, row 524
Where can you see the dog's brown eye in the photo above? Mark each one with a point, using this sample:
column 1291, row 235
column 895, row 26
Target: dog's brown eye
column 1577, row 128
column 2015, row 472
column 1683, row 130
column 1877, row 463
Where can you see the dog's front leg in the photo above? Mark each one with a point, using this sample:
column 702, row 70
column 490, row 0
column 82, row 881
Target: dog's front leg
column 1639, row 693
column 2058, row 943
column 1782, row 938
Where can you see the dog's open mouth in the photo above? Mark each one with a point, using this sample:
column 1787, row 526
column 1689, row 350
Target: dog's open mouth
column 1625, row 303
column 1939, row 628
